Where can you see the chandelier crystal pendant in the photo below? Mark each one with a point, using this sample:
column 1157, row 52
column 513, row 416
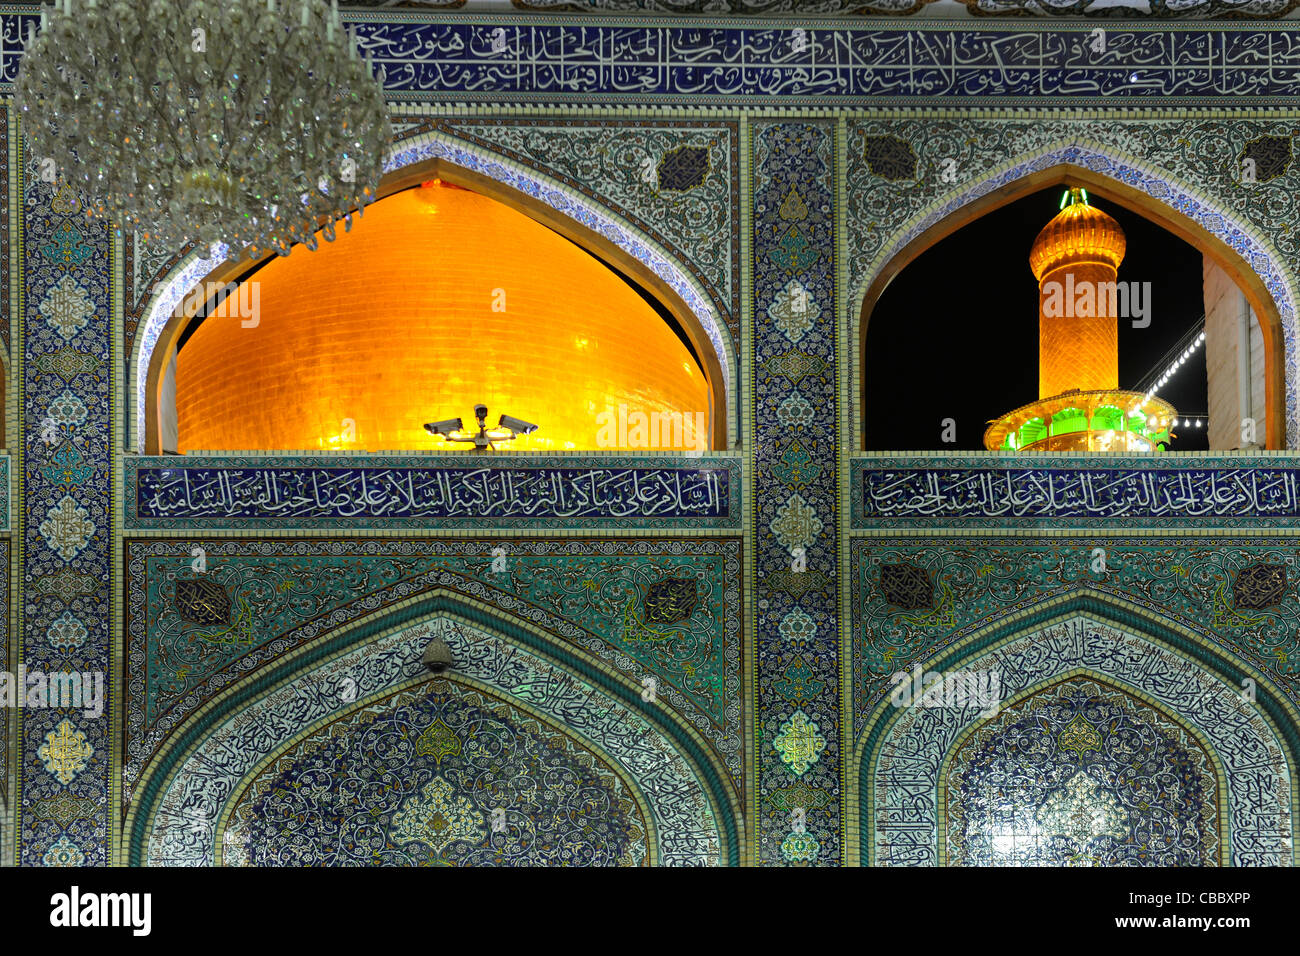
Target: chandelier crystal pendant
column 243, row 124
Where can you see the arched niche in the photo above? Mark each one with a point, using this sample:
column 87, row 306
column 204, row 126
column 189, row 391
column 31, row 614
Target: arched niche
column 434, row 156
column 655, row 765
column 1062, row 775
column 897, row 810
column 950, row 214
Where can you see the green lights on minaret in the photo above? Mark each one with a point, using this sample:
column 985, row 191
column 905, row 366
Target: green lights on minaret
column 1074, row 195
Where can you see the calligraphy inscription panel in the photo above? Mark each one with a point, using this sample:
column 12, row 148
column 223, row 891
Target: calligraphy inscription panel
column 1201, row 492
column 284, row 493
column 427, row 56
column 718, row 61
column 4, row 493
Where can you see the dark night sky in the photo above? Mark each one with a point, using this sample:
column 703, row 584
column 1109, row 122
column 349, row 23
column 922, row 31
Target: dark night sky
column 955, row 335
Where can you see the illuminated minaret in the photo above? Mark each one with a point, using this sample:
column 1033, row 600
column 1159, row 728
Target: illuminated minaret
column 1080, row 405
column 1077, row 252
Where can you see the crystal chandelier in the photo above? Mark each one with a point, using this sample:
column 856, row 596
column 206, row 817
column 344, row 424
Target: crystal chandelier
column 248, row 124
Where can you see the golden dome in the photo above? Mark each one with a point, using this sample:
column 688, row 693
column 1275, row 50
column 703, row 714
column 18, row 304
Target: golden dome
column 438, row 299
column 1079, row 234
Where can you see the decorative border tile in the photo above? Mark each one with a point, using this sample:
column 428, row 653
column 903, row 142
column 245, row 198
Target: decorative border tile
column 436, row 57
column 7, row 809
column 1155, row 9
column 6, row 485
column 796, row 519
column 64, row 504
column 807, row 63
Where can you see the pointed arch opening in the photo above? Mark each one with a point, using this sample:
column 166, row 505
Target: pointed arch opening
column 620, row 400
column 1265, row 306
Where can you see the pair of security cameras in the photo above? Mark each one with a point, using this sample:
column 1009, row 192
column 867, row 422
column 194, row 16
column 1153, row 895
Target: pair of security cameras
column 448, row 426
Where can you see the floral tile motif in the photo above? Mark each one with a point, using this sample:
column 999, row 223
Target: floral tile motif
column 437, row 818
column 64, row 853
column 794, row 410
column 68, row 409
column 63, row 809
column 64, row 515
column 66, row 633
column 798, row 626
column 796, row 518
column 800, row 846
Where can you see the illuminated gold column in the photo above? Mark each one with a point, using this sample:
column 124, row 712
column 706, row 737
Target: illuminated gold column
column 1080, row 406
column 1076, row 260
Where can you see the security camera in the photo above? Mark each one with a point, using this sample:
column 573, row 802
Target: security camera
column 437, row 655
column 444, row 427
column 517, row 425
column 480, row 412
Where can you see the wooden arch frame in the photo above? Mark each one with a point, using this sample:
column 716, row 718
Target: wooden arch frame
column 1136, row 201
column 571, row 229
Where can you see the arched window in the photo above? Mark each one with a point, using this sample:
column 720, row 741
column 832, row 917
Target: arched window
column 439, row 299
column 1186, row 304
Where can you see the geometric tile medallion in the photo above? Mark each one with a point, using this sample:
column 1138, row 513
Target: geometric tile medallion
column 202, row 601
column 906, row 586
column 670, row 600
column 1259, row 586
column 890, row 157
column 683, row 168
